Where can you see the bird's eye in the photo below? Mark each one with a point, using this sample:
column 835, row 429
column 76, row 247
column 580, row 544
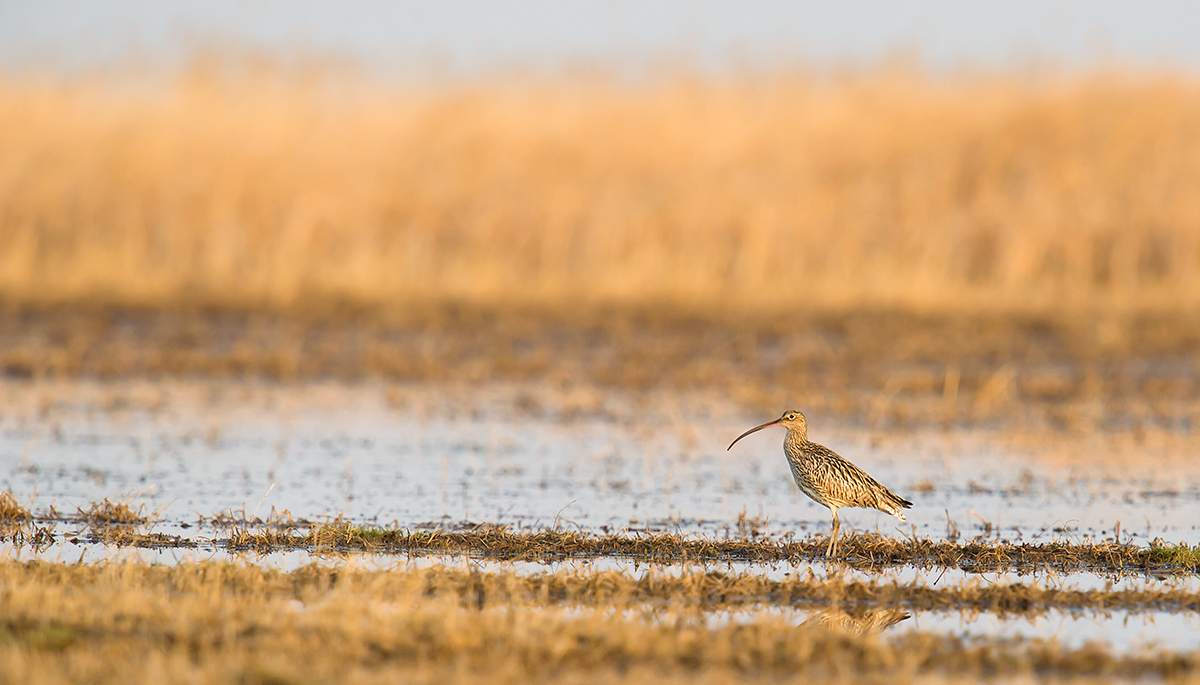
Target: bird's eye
column 791, row 417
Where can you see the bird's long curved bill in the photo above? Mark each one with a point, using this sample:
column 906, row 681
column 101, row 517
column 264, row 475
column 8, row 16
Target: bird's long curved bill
column 756, row 428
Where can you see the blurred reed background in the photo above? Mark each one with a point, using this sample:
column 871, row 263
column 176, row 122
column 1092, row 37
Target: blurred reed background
column 241, row 185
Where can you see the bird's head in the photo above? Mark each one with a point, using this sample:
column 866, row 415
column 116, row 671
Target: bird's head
column 791, row 420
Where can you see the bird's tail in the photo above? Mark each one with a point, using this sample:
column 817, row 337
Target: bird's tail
column 895, row 504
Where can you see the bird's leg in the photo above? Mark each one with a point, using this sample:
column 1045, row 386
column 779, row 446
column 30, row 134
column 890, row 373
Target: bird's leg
column 833, row 538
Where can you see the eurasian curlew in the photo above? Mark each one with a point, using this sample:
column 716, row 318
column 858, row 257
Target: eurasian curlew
column 828, row 478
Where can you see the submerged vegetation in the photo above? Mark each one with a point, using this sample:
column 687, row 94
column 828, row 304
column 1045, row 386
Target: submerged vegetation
column 497, row 542
column 860, row 551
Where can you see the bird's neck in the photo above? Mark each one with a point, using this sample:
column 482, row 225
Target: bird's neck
column 796, row 436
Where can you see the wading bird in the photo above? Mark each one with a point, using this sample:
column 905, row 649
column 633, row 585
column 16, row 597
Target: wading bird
column 828, row 478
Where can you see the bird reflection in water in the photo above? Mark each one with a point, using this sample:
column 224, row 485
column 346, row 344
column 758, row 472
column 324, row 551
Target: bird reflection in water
column 858, row 624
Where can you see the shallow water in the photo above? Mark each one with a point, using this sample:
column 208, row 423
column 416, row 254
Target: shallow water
column 1121, row 632
column 532, row 458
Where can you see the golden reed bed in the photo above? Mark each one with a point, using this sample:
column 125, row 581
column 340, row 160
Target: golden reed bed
column 276, row 188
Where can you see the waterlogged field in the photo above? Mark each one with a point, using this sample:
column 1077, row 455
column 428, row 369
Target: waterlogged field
column 310, row 377
column 218, row 529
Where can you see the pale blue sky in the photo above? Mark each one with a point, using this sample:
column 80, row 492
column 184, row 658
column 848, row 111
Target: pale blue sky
column 473, row 36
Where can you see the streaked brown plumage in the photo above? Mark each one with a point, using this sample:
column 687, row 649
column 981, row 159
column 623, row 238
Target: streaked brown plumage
column 827, row 478
column 866, row 623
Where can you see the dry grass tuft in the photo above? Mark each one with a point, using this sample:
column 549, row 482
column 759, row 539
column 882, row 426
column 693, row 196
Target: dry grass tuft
column 248, row 188
column 108, row 512
column 16, row 522
column 11, row 510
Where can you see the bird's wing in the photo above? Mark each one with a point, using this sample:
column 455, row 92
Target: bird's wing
column 845, row 482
